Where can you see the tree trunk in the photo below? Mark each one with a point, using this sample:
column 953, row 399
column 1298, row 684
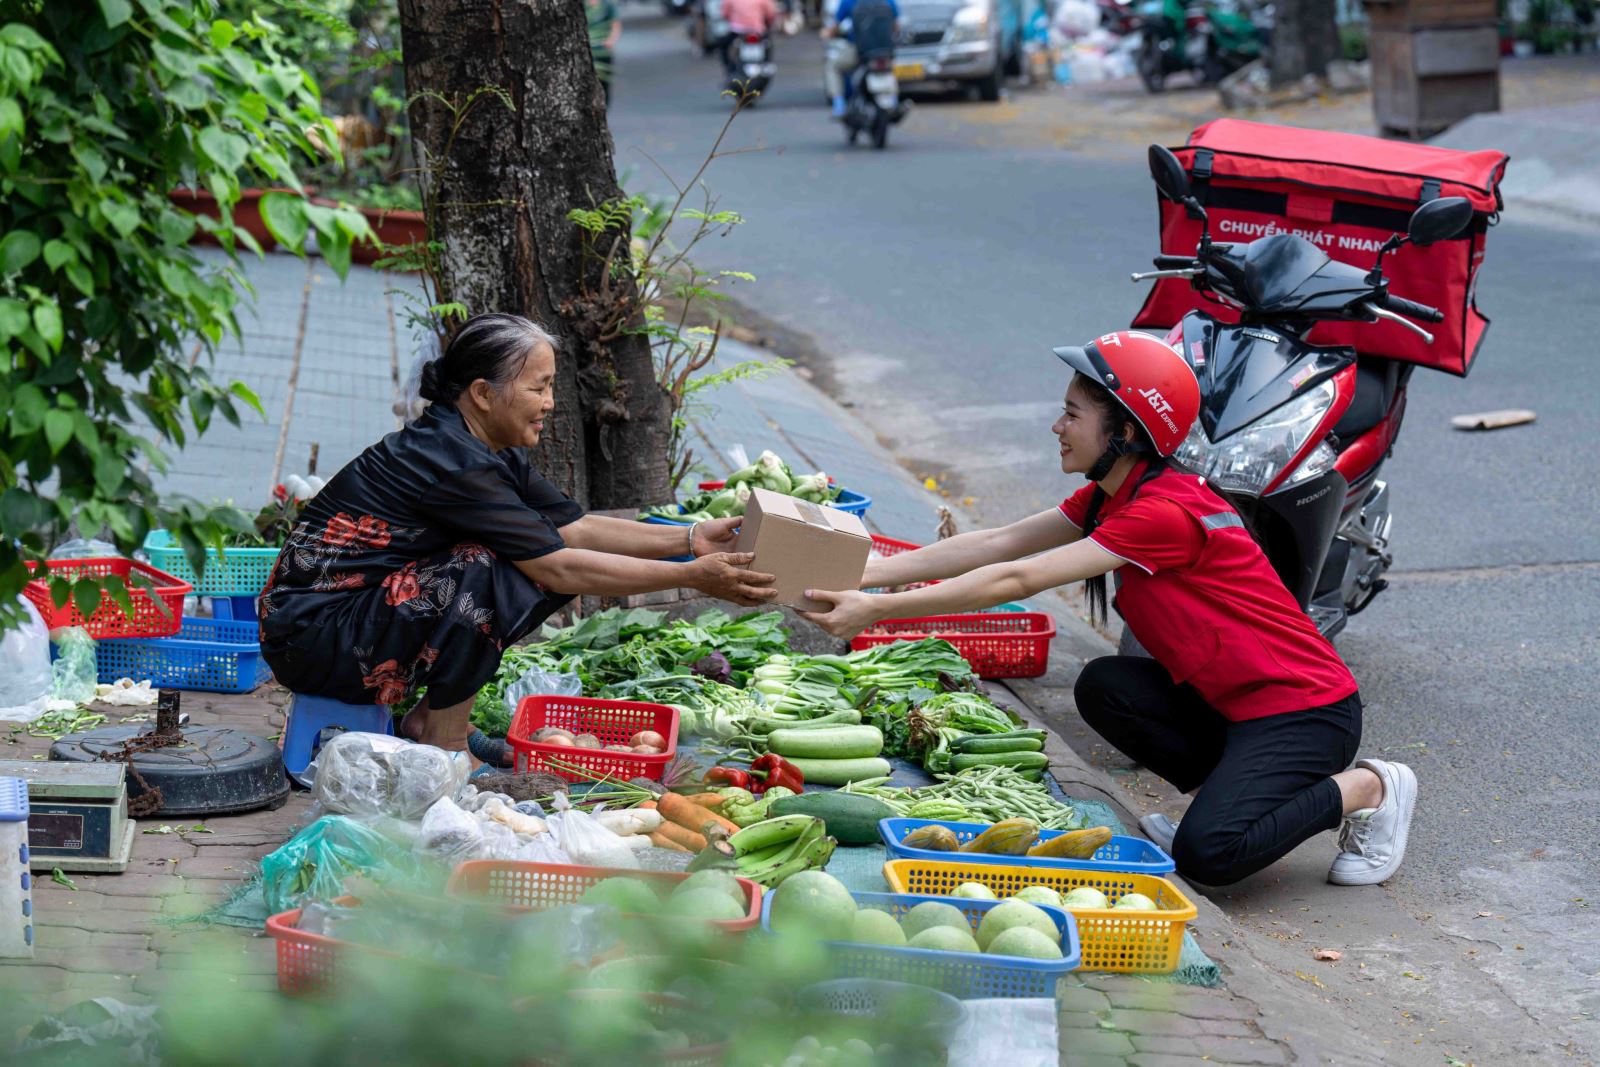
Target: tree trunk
column 1305, row 39
column 508, row 123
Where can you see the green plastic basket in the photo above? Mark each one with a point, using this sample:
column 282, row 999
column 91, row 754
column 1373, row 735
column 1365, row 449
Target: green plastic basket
column 238, row 572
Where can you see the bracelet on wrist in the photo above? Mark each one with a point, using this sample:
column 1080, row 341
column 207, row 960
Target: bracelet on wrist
column 692, row 531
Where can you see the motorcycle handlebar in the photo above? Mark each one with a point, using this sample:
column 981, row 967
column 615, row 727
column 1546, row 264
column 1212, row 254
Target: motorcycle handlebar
column 1409, row 307
column 1173, row 262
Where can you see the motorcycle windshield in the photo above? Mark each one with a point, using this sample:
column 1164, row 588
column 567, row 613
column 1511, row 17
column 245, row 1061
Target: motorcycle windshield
column 1247, row 371
column 1288, row 273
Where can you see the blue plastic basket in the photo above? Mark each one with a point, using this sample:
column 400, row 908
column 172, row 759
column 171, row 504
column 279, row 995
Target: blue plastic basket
column 968, row 975
column 849, row 500
column 1131, row 855
column 238, row 572
column 213, row 655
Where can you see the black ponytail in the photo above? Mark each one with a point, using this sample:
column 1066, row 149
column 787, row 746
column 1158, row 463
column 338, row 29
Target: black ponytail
column 1116, row 422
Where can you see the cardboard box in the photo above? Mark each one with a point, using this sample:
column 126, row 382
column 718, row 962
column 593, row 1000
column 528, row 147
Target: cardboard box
column 806, row 546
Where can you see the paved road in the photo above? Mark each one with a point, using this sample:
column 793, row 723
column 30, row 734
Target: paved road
column 936, row 276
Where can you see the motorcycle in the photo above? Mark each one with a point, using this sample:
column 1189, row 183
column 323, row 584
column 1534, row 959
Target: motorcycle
column 1210, row 39
column 750, row 65
column 874, row 103
column 1295, row 434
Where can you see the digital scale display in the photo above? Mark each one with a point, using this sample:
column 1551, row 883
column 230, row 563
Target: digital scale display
column 56, row 830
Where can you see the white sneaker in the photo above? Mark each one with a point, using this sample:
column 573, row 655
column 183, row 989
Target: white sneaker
column 1160, row 829
column 1374, row 840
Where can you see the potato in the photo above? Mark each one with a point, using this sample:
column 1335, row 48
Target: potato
column 648, row 739
column 586, row 741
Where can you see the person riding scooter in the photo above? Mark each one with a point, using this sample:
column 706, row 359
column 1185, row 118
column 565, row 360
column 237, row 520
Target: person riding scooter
column 1244, row 704
column 859, row 30
column 745, row 17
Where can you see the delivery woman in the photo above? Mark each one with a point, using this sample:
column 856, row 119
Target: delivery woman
column 1244, row 704
column 440, row 545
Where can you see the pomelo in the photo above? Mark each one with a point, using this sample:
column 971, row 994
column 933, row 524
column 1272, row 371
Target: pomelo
column 721, row 880
column 1085, row 896
column 874, row 927
column 708, row 903
column 1040, row 894
column 1014, row 912
column 973, row 891
column 814, row 904
column 631, row 895
column 945, row 939
column 1024, row 941
column 1135, row 902
column 932, row 913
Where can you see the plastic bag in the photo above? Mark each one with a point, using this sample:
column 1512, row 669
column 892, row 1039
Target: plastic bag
column 79, row 548
column 541, row 848
column 586, row 841
column 538, row 682
column 366, row 776
column 74, row 672
column 450, row 834
column 313, row 864
column 1010, row 1032
column 26, row 681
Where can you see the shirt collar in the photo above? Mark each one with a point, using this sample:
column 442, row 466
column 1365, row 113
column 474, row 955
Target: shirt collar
column 1129, row 484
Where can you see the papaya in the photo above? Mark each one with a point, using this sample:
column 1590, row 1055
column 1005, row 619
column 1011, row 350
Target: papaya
column 1072, row 845
column 1010, row 837
column 934, row 838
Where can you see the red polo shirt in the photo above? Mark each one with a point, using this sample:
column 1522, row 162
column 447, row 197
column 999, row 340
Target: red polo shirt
column 1202, row 598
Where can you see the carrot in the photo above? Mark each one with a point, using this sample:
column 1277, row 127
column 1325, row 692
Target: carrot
column 661, row 840
column 646, row 804
column 681, row 835
column 707, row 800
column 687, row 813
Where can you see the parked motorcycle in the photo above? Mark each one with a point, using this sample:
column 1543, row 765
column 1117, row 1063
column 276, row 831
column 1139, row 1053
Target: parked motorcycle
column 750, row 65
column 1210, row 39
column 1295, row 434
column 874, row 103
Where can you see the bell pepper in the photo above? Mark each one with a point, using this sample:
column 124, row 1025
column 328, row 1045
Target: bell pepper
column 773, row 769
column 731, row 777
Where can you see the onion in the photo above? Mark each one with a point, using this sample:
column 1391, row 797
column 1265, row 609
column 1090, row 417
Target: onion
column 618, row 748
column 586, row 741
column 650, row 738
column 544, row 734
column 647, row 750
column 563, row 740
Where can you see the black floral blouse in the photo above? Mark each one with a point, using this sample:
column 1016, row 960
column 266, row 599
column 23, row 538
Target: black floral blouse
column 400, row 573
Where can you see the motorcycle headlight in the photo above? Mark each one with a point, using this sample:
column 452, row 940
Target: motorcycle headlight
column 970, row 23
column 1249, row 460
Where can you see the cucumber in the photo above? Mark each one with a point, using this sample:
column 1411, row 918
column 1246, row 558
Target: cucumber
column 1017, row 761
column 840, row 771
column 1019, row 741
column 843, row 717
column 849, row 817
column 833, row 742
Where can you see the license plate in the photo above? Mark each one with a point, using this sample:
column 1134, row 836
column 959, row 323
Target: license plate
column 752, row 53
column 908, row 72
column 881, row 83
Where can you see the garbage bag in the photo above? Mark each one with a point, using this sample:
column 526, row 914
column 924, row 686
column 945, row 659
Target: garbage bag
column 26, row 681
column 450, row 834
column 366, row 776
column 313, row 864
column 74, row 673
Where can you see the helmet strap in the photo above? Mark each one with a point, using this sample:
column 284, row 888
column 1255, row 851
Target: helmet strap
column 1114, row 451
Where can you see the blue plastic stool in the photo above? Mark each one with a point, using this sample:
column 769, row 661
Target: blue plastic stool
column 236, row 608
column 308, row 716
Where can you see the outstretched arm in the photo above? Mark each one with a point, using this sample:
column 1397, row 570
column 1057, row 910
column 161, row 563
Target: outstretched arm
column 969, row 551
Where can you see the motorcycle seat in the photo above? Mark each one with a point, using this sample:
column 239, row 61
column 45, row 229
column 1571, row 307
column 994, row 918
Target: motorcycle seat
column 1374, row 394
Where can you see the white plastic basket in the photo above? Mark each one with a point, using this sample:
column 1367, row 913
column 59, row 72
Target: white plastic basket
column 16, row 885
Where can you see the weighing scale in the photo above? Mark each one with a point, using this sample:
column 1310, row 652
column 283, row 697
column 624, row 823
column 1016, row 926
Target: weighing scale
column 77, row 815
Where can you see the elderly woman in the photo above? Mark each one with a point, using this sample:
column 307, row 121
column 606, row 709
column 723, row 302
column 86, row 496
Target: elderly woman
column 440, row 545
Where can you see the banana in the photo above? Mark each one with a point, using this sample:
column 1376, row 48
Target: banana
column 769, row 832
column 814, row 854
column 783, row 858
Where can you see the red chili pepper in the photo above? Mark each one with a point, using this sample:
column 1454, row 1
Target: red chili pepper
column 732, row 777
column 777, row 771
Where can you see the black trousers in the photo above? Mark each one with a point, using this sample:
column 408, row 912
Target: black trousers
column 1265, row 785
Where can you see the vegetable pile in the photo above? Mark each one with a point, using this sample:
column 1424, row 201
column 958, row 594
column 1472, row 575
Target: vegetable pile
column 769, row 471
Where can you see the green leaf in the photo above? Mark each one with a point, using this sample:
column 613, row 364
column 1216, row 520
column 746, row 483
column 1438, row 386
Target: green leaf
column 116, row 12
column 175, row 227
column 57, row 252
column 57, row 429
column 17, row 250
column 13, row 317
column 124, row 217
column 245, row 393
column 285, row 216
column 55, row 872
column 22, row 512
column 86, row 596
column 335, row 248
column 223, row 33
column 28, row 407
column 189, row 95
column 226, row 150
column 47, row 320
column 81, row 277
column 109, row 470
column 91, row 161
column 11, row 120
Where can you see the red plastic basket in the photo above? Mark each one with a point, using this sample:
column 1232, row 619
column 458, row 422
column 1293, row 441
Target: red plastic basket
column 109, row 620
column 612, row 721
column 308, row 961
column 537, row 886
column 1011, row 644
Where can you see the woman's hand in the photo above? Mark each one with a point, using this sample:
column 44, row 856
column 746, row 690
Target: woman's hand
column 849, row 612
column 724, row 575
column 716, row 535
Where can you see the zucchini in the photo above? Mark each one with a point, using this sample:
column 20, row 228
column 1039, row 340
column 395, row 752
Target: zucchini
column 840, row 771
column 832, row 742
column 1017, row 761
column 842, row 717
column 1020, row 741
column 850, row 817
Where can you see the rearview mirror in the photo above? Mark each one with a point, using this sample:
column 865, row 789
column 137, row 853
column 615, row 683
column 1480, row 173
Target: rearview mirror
column 1439, row 220
column 1170, row 177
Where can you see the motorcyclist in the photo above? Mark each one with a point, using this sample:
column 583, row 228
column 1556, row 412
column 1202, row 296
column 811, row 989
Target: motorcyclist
column 745, row 17
column 858, row 29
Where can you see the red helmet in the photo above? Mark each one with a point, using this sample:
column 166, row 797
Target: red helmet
column 1148, row 377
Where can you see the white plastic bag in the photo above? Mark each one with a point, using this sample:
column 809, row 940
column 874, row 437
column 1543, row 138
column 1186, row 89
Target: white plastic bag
column 366, row 776
column 586, row 841
column 538, row 682
column 450, row 834
column 25, row 678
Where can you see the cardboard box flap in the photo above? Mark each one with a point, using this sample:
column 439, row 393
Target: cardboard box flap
column 782, row 506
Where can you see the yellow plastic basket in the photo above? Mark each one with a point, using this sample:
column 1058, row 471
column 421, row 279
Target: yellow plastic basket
column 1138, row 942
